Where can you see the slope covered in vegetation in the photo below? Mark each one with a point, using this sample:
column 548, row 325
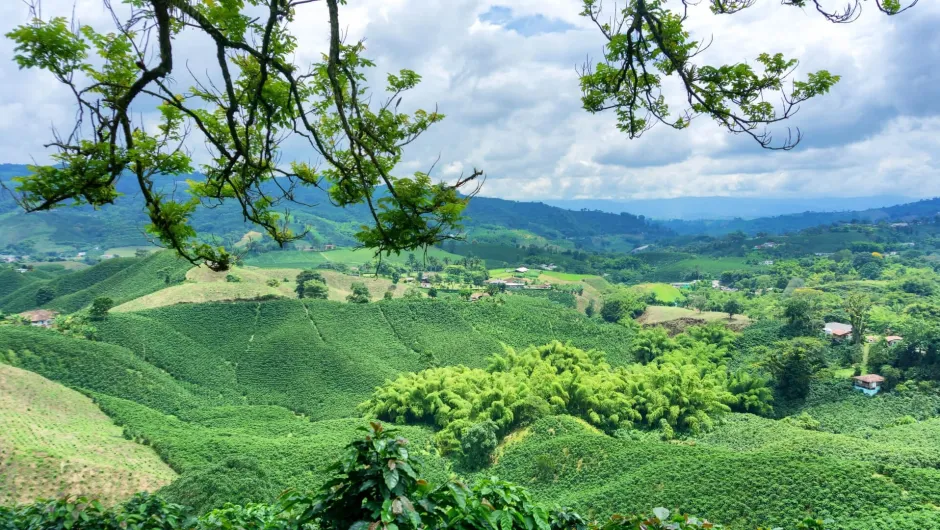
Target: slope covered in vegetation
column 121, row 279
column 266, row 391
column 56, row 442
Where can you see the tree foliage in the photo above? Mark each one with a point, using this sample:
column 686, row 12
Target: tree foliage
column 793, row 364
column 647, row 42
column 360, row 294
column 256, row 97
column 857, row 306
column 100, row 307
column 521, row 386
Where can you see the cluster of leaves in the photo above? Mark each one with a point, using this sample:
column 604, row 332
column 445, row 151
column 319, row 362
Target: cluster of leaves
column 682, row 391
column 258, row 97
column 311, row 284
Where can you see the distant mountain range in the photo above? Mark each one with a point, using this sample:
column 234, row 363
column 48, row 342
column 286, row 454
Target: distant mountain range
column 718, row 208
column 121, row 224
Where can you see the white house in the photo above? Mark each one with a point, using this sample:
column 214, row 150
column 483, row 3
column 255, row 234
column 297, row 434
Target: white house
column 522, row 269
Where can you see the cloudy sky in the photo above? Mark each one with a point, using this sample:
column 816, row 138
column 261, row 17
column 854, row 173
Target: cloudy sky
column 504, row 73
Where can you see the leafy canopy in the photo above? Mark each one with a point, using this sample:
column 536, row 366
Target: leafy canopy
column 254, row 100
column 647, row 42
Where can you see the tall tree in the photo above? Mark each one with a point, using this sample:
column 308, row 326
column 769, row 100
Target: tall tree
column 857, row 306
column 793, row 364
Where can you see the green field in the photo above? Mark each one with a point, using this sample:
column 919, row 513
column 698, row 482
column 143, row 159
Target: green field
column 661, row 314
column 564, row 462
column 690, row 267
column 54, row 441
column 665, row 293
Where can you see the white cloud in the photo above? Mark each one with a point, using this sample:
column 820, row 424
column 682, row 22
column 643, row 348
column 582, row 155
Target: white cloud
column 513, row 102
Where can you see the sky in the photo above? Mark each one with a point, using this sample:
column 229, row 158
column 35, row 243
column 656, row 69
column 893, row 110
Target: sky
column 504, row 72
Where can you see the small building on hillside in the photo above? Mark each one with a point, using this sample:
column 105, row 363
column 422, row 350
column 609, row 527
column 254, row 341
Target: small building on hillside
column 838, row 330
column 869, row 384
column 408, row 279
column 515, row 283
column 767, row 262
column 40, row 317
column 329, row 246
column 22, row 270
column 522, row 270
column 7, row 258
column 495, row 281
column 476, row 296
column 893, row 339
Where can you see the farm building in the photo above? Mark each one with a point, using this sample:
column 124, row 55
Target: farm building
column 542, row 287
column 837, row 329
column 522, row 269
column 515, row 283
column 329, row 246
column 40, row 317
column 869, row 384
column 893, row 339
column 476, row 296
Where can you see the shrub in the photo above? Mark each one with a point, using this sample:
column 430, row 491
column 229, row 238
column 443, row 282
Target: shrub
column 478, row 444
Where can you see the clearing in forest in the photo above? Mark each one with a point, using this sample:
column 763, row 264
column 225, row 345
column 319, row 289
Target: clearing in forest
column 55, row 441
column 679, row 318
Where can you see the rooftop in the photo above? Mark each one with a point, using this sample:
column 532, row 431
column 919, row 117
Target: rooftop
column 39, row 315
column 869, row 378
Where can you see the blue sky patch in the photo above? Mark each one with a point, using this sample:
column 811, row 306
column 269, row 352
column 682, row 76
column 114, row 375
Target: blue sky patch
column 527, row 26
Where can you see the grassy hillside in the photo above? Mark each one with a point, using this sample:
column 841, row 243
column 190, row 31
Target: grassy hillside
column 655, row 314
column 11, row 281
column 203, row 285
column 57, row 442
column 121, row 279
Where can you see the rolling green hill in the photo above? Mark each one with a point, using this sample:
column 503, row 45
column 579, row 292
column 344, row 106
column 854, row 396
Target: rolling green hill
column 121, row 279
column 266, row 390
column 856, row 483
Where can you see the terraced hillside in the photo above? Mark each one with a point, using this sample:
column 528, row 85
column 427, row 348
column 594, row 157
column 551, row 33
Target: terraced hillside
column 55, row 441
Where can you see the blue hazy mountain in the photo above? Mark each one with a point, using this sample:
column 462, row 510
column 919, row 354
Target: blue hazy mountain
column 695, row 208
